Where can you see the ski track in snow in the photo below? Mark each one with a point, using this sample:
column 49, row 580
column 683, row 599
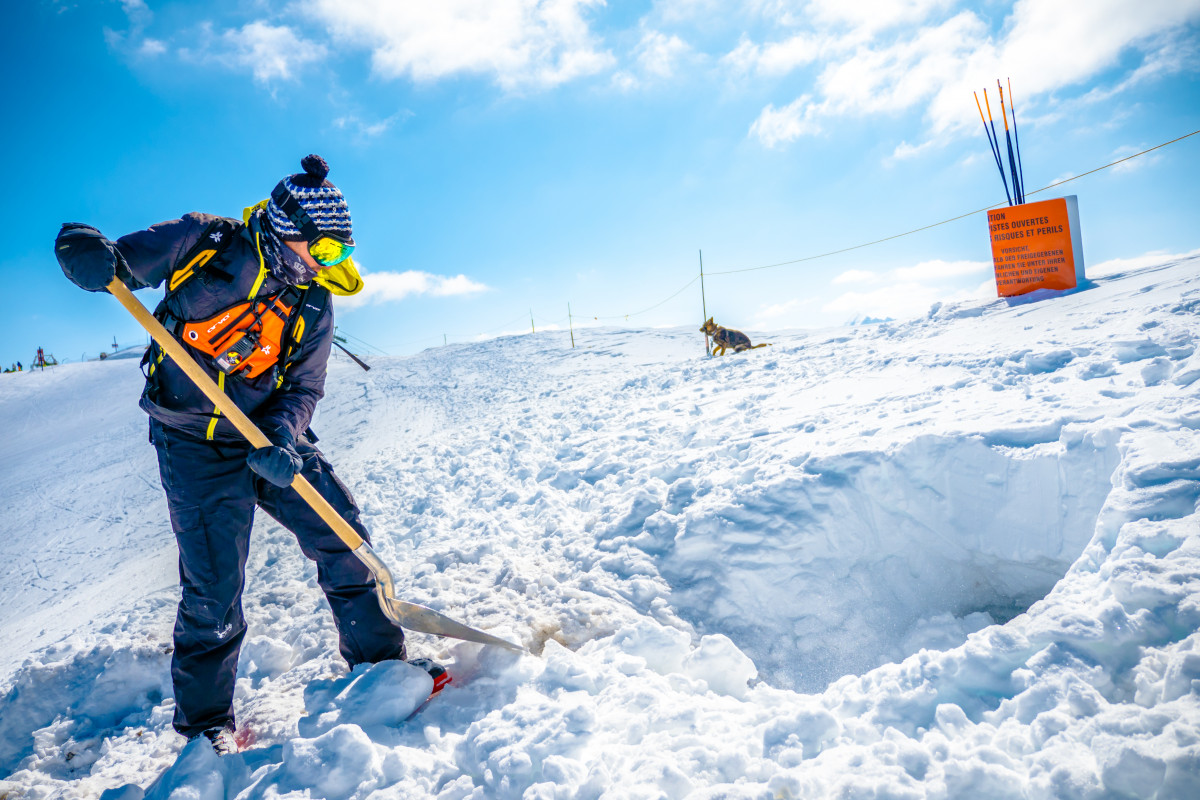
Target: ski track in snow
column 946, row 557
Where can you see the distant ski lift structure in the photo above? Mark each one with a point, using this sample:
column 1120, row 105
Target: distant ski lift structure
column 43, row 360
column 340, row 343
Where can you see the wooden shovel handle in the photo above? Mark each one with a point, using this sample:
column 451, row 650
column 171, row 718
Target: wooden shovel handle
column 184, row 360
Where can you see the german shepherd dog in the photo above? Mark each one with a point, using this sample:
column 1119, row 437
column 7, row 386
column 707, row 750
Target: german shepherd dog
column 724, row 338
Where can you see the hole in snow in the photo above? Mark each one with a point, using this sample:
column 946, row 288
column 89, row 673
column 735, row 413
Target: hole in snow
column 855, row 560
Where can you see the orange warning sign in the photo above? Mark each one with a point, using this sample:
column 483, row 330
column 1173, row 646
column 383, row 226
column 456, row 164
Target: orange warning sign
column 1036, row 246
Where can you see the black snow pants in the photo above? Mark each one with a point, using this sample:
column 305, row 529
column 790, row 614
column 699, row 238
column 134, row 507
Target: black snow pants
column 212, row 494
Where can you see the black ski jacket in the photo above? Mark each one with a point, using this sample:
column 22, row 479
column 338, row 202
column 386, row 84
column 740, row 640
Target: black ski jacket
column 231, row 277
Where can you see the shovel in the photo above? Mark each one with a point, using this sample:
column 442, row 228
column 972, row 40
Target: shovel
column 406, row 615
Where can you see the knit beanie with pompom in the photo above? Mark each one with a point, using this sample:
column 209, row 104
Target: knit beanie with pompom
column 322, row 201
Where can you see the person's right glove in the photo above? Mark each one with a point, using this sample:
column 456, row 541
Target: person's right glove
column 277, row 463
column 88, row 259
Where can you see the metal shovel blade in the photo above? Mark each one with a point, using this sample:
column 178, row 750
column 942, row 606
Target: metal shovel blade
column 417, row 617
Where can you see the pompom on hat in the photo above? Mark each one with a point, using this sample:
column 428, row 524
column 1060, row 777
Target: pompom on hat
column 319, row 198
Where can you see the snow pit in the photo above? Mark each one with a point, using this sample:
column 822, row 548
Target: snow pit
column 845, row 562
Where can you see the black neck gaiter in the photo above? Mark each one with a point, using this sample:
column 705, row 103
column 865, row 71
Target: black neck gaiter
column 283, row 262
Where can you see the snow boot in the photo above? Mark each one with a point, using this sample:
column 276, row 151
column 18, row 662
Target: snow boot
column 222, row 741
column 436, row 671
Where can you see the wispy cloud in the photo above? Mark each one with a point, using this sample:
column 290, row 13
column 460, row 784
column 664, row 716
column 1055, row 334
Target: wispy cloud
column 776, row 126
column 139, row 16
column 386, row 287
column 658, row 54
column 937, row 270
column 855, row 276
column 904, row 150
column 519, row 43
column 368, row 129
column 906, row 291
column 270, row 52
column 656, row 57
column 1151, row 259
column 881, row 57
column 777, row 310
column 897, row 301
column 777, row 58
column 871, row 16
column 1134, row 164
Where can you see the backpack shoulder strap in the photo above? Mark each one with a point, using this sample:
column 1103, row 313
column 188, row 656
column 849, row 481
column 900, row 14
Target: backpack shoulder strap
column 311, row 305
column 215, row 238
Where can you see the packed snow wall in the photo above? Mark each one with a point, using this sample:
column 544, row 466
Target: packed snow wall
column 836, row 564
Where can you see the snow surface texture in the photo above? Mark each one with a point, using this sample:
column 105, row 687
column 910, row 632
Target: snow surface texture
column 950, row 557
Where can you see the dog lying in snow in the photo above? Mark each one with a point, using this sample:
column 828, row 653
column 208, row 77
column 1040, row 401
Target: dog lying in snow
column 724, row 338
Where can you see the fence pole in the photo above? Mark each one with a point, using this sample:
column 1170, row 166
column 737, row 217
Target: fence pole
column 571, row 325
column 704, row 304
column 531, row 321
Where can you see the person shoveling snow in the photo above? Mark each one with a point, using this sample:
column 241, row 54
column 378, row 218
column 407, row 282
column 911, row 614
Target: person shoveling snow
column 250, row 299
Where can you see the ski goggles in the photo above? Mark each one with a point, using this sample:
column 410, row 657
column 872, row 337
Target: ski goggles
column 327, row 249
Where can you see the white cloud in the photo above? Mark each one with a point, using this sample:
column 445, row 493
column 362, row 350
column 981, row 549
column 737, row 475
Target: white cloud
column 906, row 291
column 909, row 71
column 366, row 129
column 138, row 12
column 625, row 81
column 778, row 58
column 384, row 287
column 776, row 310
column 780, row 126
column 270, row 52
column 657, row 56
column 152, row 47
column 905, row 150
column 1136, row 163
column 679, row 11
column 940, row 270
column 855, row 276
column 782, row 12
column 139, row 16
column 899, row 55
column 658, row 53
column 898, row 300
column 517, row 42
column 1152, row 259
column 874, row 15
column 742, row 58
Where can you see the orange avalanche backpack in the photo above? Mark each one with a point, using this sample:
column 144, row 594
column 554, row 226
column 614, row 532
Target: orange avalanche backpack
column 248, row 338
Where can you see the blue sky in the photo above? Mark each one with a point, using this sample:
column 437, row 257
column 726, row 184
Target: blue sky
column 504, row 158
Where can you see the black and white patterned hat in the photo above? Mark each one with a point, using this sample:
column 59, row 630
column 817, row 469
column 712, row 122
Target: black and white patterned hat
column 321, row 200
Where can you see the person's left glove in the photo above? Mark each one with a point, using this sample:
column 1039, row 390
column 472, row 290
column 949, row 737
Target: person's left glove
column 87, row 258
column 279, row 462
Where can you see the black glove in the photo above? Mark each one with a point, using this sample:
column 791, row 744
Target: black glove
column 277, row 463
column 86, row 257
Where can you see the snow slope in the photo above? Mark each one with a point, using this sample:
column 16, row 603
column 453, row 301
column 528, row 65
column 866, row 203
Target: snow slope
column 947, row 557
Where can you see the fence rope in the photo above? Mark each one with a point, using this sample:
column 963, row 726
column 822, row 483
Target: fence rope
column 952, row 219
column 599, row 317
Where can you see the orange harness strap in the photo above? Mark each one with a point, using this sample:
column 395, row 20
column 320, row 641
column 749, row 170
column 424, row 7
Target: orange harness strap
column 245, row 338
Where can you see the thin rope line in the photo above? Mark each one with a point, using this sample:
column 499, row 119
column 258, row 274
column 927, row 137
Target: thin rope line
column 651, row 308
column 952, row 219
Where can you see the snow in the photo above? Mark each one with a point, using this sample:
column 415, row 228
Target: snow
column 956, row 556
